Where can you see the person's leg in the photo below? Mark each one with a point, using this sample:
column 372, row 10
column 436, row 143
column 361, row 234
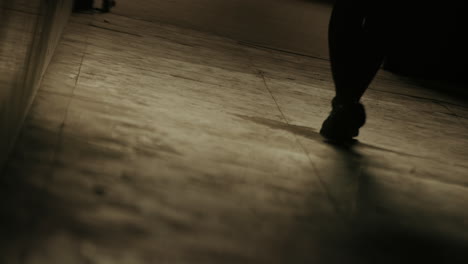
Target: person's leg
column 82, row 5
column 356, row 53
column 107, row 5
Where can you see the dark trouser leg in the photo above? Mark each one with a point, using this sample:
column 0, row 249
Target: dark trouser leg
column 81, row 5
column 107, row 5
column 356, row 50
column 356, row 53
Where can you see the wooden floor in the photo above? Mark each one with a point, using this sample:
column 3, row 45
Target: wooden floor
column 149, row 143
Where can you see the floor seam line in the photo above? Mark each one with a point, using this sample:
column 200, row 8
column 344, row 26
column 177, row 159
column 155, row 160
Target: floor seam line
column 417, row 97
column 314, row 167
column 283, row 116
column 459, row 118
column 71, row 96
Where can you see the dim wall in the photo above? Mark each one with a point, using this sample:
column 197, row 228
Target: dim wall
column 29, row 32
column 294, row 25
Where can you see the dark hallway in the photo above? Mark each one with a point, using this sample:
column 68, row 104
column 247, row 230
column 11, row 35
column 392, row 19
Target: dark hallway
column 154, row 141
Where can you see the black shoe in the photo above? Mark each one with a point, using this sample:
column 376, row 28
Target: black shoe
column 344, row 121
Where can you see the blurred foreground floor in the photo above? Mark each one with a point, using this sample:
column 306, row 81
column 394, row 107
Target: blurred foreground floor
column 149, row 143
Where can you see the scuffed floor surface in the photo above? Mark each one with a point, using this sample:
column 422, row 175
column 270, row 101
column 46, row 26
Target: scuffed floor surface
column 149, row 143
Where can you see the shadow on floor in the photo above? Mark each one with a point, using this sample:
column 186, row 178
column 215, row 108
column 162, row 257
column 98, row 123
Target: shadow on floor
column 362, row 233
column 368, row 232
column 374, row 234
column 37, row 212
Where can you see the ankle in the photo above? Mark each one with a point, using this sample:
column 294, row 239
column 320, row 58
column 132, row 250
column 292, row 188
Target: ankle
column 341, row 101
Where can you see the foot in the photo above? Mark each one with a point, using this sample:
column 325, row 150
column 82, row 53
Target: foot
column 344, row 121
